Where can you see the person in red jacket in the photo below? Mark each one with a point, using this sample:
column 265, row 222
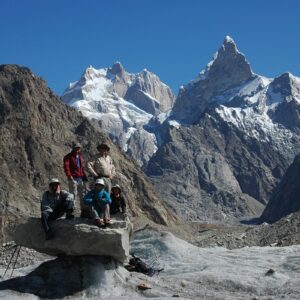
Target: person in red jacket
column 74, row 169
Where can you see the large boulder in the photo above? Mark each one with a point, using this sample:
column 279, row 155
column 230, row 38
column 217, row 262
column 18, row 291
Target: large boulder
column 77, row 237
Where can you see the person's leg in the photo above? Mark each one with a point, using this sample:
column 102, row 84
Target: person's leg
column 102, row 210
column 44, row 219
column 73, row 188
column 50, row 216
column 107, row 182
column 96, row 215
column 85, row 209
column 107, row 214
column 66, row 206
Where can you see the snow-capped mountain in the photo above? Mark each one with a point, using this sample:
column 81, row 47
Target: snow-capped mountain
column 228, row 140
column 263, row 108
column 123, row 103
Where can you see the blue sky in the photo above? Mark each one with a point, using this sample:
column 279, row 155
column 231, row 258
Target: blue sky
column 175, row 39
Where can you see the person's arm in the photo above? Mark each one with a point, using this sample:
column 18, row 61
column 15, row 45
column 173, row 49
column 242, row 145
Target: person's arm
column 90, row 168
column 67, row 196
column 67, row 167
column 84, row 177
column 123, row 205
column 112, row 168
column 105, row 197
column 88, row 198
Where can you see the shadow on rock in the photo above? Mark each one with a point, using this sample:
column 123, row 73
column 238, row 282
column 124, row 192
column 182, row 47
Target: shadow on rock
column 253, row 221
column 63, row 276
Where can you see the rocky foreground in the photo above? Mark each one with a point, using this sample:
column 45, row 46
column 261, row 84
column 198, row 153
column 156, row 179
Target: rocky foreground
column 285, row 232
column 190, row 272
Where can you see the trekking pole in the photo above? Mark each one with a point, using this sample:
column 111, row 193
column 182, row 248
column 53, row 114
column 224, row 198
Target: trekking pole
column 10, row 260
column 15, row 261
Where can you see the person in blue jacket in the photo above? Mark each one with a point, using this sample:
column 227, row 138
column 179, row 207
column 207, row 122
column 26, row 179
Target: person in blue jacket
column 100, row 200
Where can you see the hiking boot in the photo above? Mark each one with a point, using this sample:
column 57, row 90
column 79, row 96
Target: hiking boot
column 99, row 222
column 70, row 216
column 49, row 235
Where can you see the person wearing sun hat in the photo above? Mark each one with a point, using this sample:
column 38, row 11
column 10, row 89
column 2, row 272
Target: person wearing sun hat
column 118, row 202
column 54, row 203
column 100, row 200
column 102, row 166
column 74, row 170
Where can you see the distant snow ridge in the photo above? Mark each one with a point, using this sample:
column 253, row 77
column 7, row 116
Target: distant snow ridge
column 262, row 108
column 262, row 103
column 123, row 103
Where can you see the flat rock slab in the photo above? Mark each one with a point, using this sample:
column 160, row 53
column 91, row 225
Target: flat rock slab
column 77, row 237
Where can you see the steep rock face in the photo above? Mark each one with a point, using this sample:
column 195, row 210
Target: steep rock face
column 228, row 137
column 201, row 172
column 36, row 131
column 123, row 103
column 150, row 94
column 285, row 199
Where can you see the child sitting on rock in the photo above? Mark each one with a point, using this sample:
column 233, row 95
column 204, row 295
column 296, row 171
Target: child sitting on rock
column 100, row 200
column 118, row 204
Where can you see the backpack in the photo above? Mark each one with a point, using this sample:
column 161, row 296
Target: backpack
column 137, row 265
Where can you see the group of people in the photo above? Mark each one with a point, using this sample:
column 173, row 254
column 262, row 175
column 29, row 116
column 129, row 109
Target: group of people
column 98, row 203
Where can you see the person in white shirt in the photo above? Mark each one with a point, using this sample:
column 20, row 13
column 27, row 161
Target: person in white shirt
column 102, row 166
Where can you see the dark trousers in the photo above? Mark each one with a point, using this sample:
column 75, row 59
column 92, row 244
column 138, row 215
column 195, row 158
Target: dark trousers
column 58, row 211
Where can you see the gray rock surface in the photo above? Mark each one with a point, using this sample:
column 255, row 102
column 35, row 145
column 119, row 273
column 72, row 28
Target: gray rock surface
column 285, row 232
column 286, row 197
column 77, row 237
column 150, row 94
column 196, row 176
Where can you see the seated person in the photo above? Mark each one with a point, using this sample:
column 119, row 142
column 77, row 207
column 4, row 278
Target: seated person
column 100, row 200
column 54, row 203
column 118, row 203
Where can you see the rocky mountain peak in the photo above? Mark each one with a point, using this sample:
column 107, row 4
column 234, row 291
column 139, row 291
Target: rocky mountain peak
column 282, row 84
column 89, row 72
column 284, row 88
column 228, row 69
column 230, row 63
column 229, row 44
column 116, row 68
